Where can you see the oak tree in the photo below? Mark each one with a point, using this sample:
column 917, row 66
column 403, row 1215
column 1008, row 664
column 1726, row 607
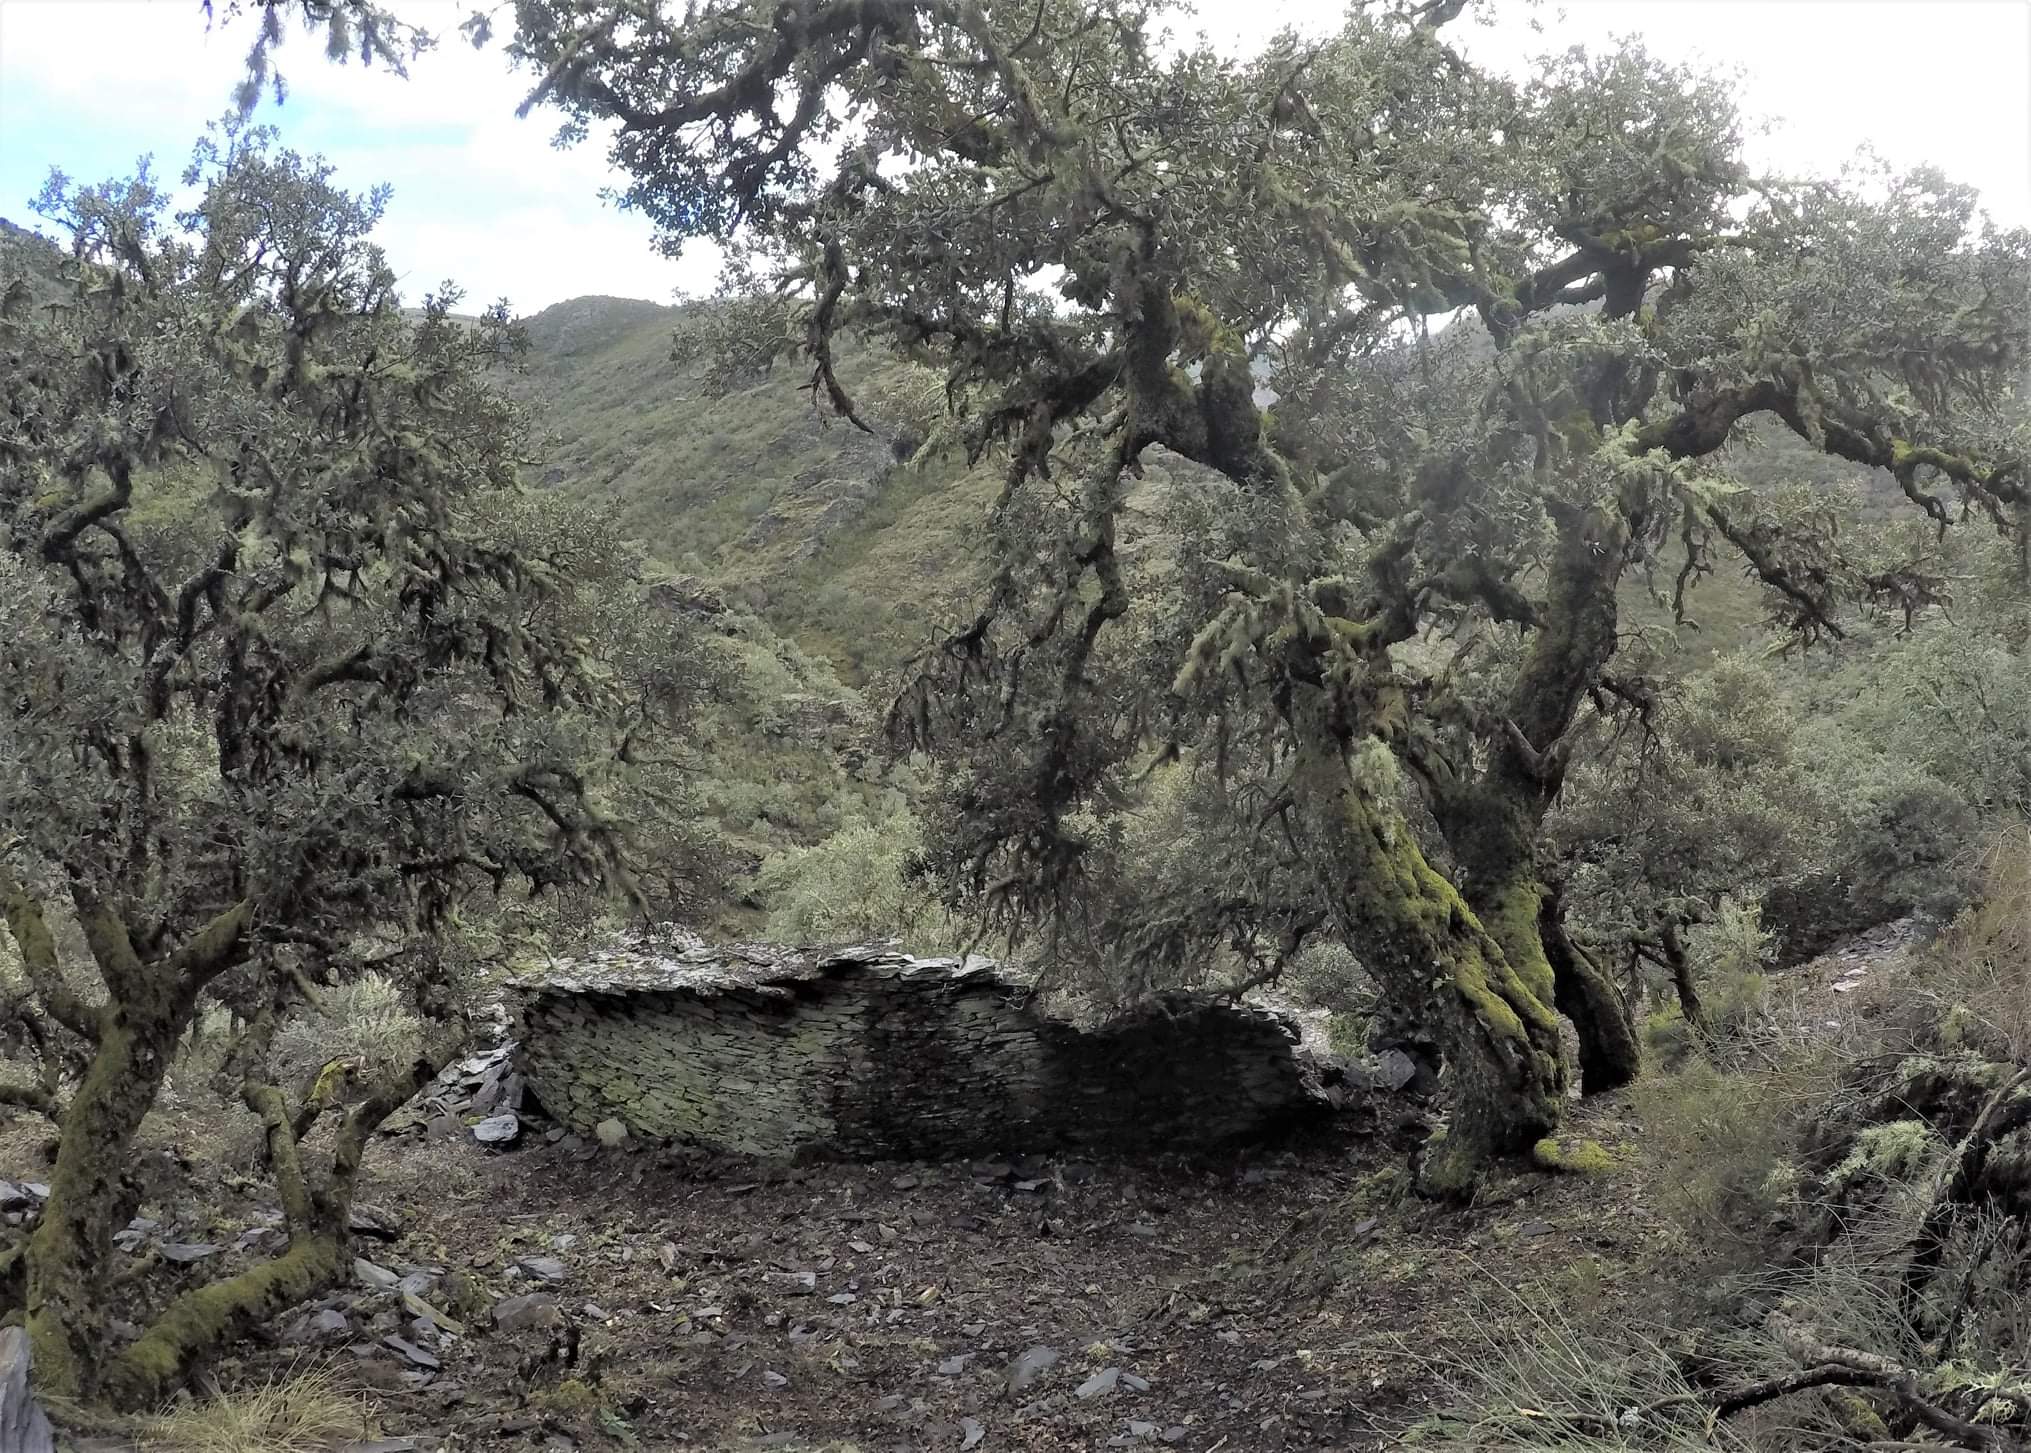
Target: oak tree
column 1378, row 614
column 299, row 683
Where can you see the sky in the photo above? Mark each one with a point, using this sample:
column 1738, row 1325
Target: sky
column 480, row 196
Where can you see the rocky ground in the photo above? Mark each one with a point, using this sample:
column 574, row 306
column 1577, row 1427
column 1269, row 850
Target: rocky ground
column 631, row 1297
column 557, row 1293
column 569, row 1295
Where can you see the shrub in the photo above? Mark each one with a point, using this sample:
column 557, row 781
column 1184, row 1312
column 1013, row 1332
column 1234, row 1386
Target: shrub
column 1721, row 1153
column 367, row 1019
column 862, row 883
column 1804, row 1188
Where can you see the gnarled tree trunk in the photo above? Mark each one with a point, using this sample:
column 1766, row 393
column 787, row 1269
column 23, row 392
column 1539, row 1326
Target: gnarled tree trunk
column 1492, row 821
column 1685, row 979
column 1611, row 1054
column 316, row 1212
column 90, row 1198
column 59, row 1273
column 1426, row 947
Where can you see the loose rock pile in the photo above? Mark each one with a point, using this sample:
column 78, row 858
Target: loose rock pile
column 483, row 1095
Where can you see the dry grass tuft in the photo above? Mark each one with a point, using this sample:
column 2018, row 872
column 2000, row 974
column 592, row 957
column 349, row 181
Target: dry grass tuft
column 1988, row 948
column 306, row 1412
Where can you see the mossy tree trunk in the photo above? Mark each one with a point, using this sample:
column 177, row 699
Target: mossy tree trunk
column 91, row 1198
column 316, row 1211
column 1427, row 948
column 1492, row 820
column 59, row 1274
column 133, row 1034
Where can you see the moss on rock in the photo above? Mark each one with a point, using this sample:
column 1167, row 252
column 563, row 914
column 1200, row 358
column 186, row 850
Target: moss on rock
column 1581, row 1157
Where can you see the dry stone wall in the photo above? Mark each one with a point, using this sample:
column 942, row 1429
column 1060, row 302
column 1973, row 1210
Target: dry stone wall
column 872, row 1053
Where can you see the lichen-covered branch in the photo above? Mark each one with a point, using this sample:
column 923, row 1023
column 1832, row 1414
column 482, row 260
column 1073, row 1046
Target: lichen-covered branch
column 37, row 947
column 1810, row 1351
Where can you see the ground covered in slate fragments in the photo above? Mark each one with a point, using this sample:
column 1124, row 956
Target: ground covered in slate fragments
column 567, row 1295
column 1045, row 1305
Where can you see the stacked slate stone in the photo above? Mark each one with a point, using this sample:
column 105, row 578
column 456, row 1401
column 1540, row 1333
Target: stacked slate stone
column 484, row 1095
column 869, row 1053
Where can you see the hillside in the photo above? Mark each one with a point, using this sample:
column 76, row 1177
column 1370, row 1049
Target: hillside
column 819, row 530
column 797, row 516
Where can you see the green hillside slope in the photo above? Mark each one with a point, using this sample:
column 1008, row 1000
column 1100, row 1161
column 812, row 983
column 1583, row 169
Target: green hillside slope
column 798, row 516
column 815, row 527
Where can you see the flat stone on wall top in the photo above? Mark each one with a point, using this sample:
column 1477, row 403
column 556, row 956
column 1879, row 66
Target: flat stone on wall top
column 639, row 965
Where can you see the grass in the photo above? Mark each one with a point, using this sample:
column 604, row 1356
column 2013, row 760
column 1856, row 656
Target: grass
column 1987, row 952
column 306, row 1412
column 693, row 474
column 367, row 1018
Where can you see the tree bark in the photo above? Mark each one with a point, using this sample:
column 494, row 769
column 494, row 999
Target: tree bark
column 1611, row 1052
column 1426, row 947
column 205, row 1318
column 198, row 1323
column 135, row 1033
column 1492, row 821
column 89, row 1196
column 1685, row 981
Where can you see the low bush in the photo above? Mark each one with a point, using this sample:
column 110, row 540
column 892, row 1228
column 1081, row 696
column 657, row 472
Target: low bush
column 1722, row 1157
column 860, row 884
column 367, row 1019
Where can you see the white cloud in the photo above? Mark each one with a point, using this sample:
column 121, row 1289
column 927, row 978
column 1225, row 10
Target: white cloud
column 479, row 194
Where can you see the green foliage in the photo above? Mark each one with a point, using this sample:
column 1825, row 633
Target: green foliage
column 1721, row 1152
column 368, row 1019
column 1325, row 974
column 782, row 761
column 1954, row 703
column 1415, row 560
column 741, row 480
column 364, row 476
column 1978, row 983
column 1753, row 780
column 1856, row 1205
column 863, row 883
